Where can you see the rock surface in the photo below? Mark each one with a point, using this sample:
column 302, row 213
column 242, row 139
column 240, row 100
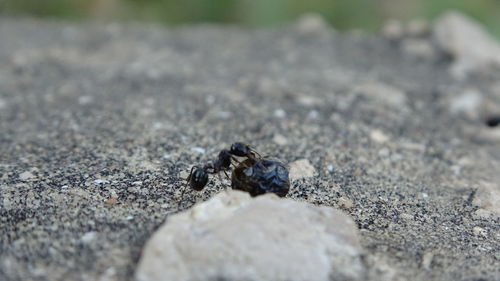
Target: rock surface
column 468, row 42
column 99, row 122
column 235, row 237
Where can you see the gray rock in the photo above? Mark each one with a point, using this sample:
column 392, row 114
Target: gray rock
column 235, row 237
column 467, row 41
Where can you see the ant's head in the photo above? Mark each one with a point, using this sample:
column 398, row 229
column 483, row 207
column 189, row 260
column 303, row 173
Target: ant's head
column 240, row 149
column 198, row 178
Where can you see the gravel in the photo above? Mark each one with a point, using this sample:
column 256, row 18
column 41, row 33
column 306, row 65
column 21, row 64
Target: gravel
column 99, row 123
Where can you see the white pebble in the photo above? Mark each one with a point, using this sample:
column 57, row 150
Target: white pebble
column 280, row 139
column 157, row 125
column 329, row 168
column 313, row 114
column 301, row 169
column 88, row 237
column 279, row 113
column 198, row 149
column 479, row 231
column 378, row 136
column 84, row 100
column 26, row 176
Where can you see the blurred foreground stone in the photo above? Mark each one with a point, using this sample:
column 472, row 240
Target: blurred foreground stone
column 235, row 237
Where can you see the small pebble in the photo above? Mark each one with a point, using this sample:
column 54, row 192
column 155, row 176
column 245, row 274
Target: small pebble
column 184, row 174
column 26, row 176
column 346, row 203
column 279, row 113
column 280, row 140
column 311, row 22
column 313, row 114
column 84, row 100
column 479, row 231
column 393, row 29
column 427, row 260
column 301, row 169
column 329, row 168
column 156, row 125
column 378, row 136
column 198, row 149
column 88, row 237
column 111, row 201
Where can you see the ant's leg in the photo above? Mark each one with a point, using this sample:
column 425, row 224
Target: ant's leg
column 184, row 190
column 225, row 173
column 180, row 200
column 235, row 160
column 254, row 152
column 191, row 173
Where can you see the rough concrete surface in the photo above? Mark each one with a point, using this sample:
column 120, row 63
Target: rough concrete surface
column 100, row 122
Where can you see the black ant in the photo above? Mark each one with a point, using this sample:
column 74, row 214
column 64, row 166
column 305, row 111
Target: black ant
column 254, row 175
column 198, row 177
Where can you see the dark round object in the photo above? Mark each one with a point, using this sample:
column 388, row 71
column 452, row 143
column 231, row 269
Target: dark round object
column 493, row 121
column 260, row 176
column 198, row 179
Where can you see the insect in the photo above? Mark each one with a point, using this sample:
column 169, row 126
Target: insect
column 255, row 174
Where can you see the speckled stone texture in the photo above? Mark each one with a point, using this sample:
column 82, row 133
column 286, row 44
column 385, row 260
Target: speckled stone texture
column 100, row 122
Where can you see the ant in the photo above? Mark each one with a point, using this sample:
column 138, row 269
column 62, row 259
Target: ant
column 198, row 177
column 255, row 174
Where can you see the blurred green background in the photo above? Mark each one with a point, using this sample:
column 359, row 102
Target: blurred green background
column 342, row 14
